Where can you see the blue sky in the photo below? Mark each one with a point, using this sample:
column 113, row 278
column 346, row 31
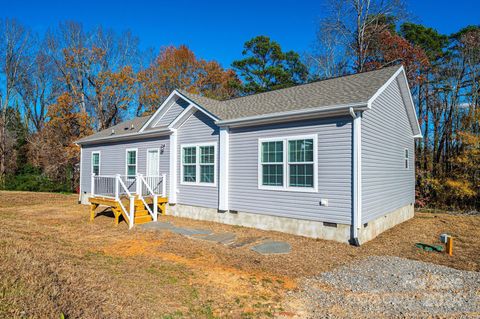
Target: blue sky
column 218, row 29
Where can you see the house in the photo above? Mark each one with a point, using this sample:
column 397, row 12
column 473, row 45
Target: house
column 332, row 159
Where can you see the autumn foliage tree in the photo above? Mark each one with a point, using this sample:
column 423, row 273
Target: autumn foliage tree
column 53, row 149
column 179, row 68
column 389, row 48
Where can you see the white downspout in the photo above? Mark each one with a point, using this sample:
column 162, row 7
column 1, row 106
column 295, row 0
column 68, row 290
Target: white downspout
column 357, row 175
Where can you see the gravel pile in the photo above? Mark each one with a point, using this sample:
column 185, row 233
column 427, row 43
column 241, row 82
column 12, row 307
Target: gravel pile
column 390, row 287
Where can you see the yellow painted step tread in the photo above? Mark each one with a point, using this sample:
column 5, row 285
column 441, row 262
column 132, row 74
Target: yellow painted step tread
column 141, row 213
column 143, row 219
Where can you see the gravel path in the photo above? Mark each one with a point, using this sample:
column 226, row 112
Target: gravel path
column 388, row 287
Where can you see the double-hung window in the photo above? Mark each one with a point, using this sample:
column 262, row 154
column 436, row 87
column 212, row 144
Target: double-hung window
column 288, row 163
column 131, row 163
column 96, row 163
column 199, row 164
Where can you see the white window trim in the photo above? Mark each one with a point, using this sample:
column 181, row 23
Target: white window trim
column 197, row 163
column 406, row 158
column 99, row 162
column 126, row 161
column 146, row 160
column 286, row 167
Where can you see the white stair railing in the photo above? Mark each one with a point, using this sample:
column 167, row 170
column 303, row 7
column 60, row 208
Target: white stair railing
column 164, row 185
column 131, row 212
column 141, row 183
column 120, row 186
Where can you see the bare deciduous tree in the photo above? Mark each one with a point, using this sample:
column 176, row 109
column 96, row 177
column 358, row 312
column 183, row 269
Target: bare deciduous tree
column 14, row 44
column 346, row 31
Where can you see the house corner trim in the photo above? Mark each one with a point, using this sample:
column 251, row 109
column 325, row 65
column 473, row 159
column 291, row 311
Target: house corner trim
column 172, row 198
column 224, row 169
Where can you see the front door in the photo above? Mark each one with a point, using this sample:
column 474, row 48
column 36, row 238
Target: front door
column 153, row 162
column 153, row 170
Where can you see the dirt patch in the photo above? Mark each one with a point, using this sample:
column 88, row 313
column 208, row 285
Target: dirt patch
column 57, row 262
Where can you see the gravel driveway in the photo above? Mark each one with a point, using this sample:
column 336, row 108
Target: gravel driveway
column 389, row 287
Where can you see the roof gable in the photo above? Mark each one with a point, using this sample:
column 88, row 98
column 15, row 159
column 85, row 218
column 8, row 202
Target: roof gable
column 330, row 95
column 168, row 113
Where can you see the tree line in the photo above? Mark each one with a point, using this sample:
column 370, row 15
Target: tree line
column 70, row 82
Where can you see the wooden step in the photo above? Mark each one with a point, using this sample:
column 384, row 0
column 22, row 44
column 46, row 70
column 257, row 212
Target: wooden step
column 143, row 219
column 141, row 212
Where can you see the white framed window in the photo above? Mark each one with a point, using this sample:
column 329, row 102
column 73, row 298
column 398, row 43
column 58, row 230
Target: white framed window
column 406, row 159
column 199, row 164
column 288, row 163
column 131, row 162
column 96, row 162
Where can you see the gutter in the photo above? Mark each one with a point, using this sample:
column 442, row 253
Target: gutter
column 292, row 115
column 128, row 136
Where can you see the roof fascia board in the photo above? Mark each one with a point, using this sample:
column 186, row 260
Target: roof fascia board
column 384, row 87
column 125, row 137
column 410, row 98
column 401, row 70
column 162, row 114
column 182, row 117
column 290, row 115
column 174, row 92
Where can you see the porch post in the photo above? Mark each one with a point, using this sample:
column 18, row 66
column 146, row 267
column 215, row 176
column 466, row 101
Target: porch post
column 138, row 180
column 117, row 178
column 132, row 212
column 92, row 184
column 164, row 185
column 155, row 207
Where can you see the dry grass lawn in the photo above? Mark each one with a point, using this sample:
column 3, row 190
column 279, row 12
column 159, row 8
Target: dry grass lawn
column 54, row 261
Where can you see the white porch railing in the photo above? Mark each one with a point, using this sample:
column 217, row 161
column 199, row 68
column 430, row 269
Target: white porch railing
column 119, row 187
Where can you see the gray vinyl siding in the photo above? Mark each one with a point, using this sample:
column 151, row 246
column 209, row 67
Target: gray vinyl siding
column 386, row 132
column 113, row 156
column 198, row 128
column 171, row 113
column 334, row 172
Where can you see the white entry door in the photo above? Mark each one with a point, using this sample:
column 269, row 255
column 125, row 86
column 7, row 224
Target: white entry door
column 153, row 162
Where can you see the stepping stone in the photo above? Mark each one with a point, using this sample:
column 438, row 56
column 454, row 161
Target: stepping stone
column 200, row 232
column 157, row 226
column 272, row 247
column 190, row 231
column 246, row 241
column 223, row 238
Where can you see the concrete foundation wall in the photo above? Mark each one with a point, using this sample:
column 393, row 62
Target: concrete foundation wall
column 84, row 198
column 382, row 223
column 313, row 229
column 283, row 224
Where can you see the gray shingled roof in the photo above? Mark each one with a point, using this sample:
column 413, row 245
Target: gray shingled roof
column 127, row 127
column 351, row 89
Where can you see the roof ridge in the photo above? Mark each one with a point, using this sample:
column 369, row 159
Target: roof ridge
column 183, row 91
column 312, row 82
